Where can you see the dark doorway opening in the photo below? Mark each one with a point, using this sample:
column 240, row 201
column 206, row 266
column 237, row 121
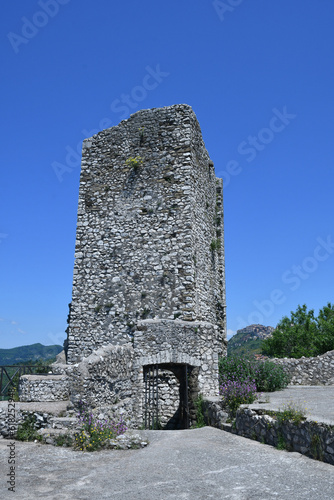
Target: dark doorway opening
column 168, row 396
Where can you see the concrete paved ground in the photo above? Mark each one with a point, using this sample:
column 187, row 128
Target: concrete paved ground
column 189, row 464
column 317, row 400
column 55, row 407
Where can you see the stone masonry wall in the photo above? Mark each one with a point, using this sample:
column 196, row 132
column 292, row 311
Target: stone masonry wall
column 106, row 380
column 318, row 370
column 149, row 237
column 148, row 281
column 8, row 429
column 314, row 439
column 43, row 388
column 173, row 341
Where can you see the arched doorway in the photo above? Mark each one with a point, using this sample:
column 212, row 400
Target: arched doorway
column 169, row 393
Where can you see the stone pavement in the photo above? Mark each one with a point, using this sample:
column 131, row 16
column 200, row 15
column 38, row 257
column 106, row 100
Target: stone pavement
column 317, row 400
column 54, row 407
column 189, row 464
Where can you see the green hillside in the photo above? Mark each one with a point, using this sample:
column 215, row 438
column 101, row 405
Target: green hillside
column 248, row 340
column 33, row 352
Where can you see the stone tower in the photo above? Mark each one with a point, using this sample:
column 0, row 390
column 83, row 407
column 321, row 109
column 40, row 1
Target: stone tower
column 149, row 280
column 150, row 231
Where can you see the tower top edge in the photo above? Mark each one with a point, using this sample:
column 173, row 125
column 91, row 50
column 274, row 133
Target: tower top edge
column 150, row 113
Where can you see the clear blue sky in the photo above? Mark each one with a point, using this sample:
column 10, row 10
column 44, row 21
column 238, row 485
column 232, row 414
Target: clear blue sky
column 259, row 75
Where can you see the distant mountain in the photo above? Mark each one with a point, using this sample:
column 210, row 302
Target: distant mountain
column 248, row 340
column 26, row 353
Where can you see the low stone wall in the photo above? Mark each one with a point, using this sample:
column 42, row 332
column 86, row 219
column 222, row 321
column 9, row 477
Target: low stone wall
column 43, row 388
column 214, row 413
column 309, row 371
column 110, row 382
column 105, row 380
column 314, row 439
column 8, row 425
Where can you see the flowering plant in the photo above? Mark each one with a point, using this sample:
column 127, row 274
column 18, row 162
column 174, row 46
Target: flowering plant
column 241, row 377
column 236, row 392
column 135, row 162
column 95, row 433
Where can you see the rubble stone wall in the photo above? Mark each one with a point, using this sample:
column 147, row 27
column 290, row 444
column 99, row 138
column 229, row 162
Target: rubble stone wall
column 173, row 341
column 149, row 235
column 43, row 388
column 314, row 439
column 318, row 370
column 107, row 379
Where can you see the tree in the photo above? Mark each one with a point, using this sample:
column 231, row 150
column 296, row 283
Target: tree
column 325, row 323
column 302, row 334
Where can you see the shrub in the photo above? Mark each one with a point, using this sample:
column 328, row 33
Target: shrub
column 235, row 393
column 96, row 433
column 235, row 368
column 270, row 377
column 199, row 405
column 266, row 375
column 27, row 431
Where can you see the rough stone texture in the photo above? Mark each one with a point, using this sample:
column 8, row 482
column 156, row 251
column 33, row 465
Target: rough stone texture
column 214, row 413
column 43, row 388
column 144, row 234
column 43, row 415
column 173, row 341
column 105, row 380
column 314, row 439
column 112, row 379
column 310, row 371
column 149, row 273
column 122, row 442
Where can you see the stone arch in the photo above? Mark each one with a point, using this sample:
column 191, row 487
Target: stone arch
column 169, row 356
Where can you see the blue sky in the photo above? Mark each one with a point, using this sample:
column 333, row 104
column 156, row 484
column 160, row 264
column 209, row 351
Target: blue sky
column 259, row 75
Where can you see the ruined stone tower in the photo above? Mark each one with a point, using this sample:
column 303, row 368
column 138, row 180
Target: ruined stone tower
column 147, row 318
column 150, row 231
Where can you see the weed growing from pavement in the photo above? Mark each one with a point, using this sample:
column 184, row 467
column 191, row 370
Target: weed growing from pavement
column 64, row 440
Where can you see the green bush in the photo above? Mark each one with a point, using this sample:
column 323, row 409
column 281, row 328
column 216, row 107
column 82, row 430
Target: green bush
column 267, row 376
column 199, row 405
column 302, row 334
column 235, row 368
column 27, row 431
column 270, row 377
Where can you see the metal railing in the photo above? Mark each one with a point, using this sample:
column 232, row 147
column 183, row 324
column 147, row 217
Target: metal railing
column 10, row 375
